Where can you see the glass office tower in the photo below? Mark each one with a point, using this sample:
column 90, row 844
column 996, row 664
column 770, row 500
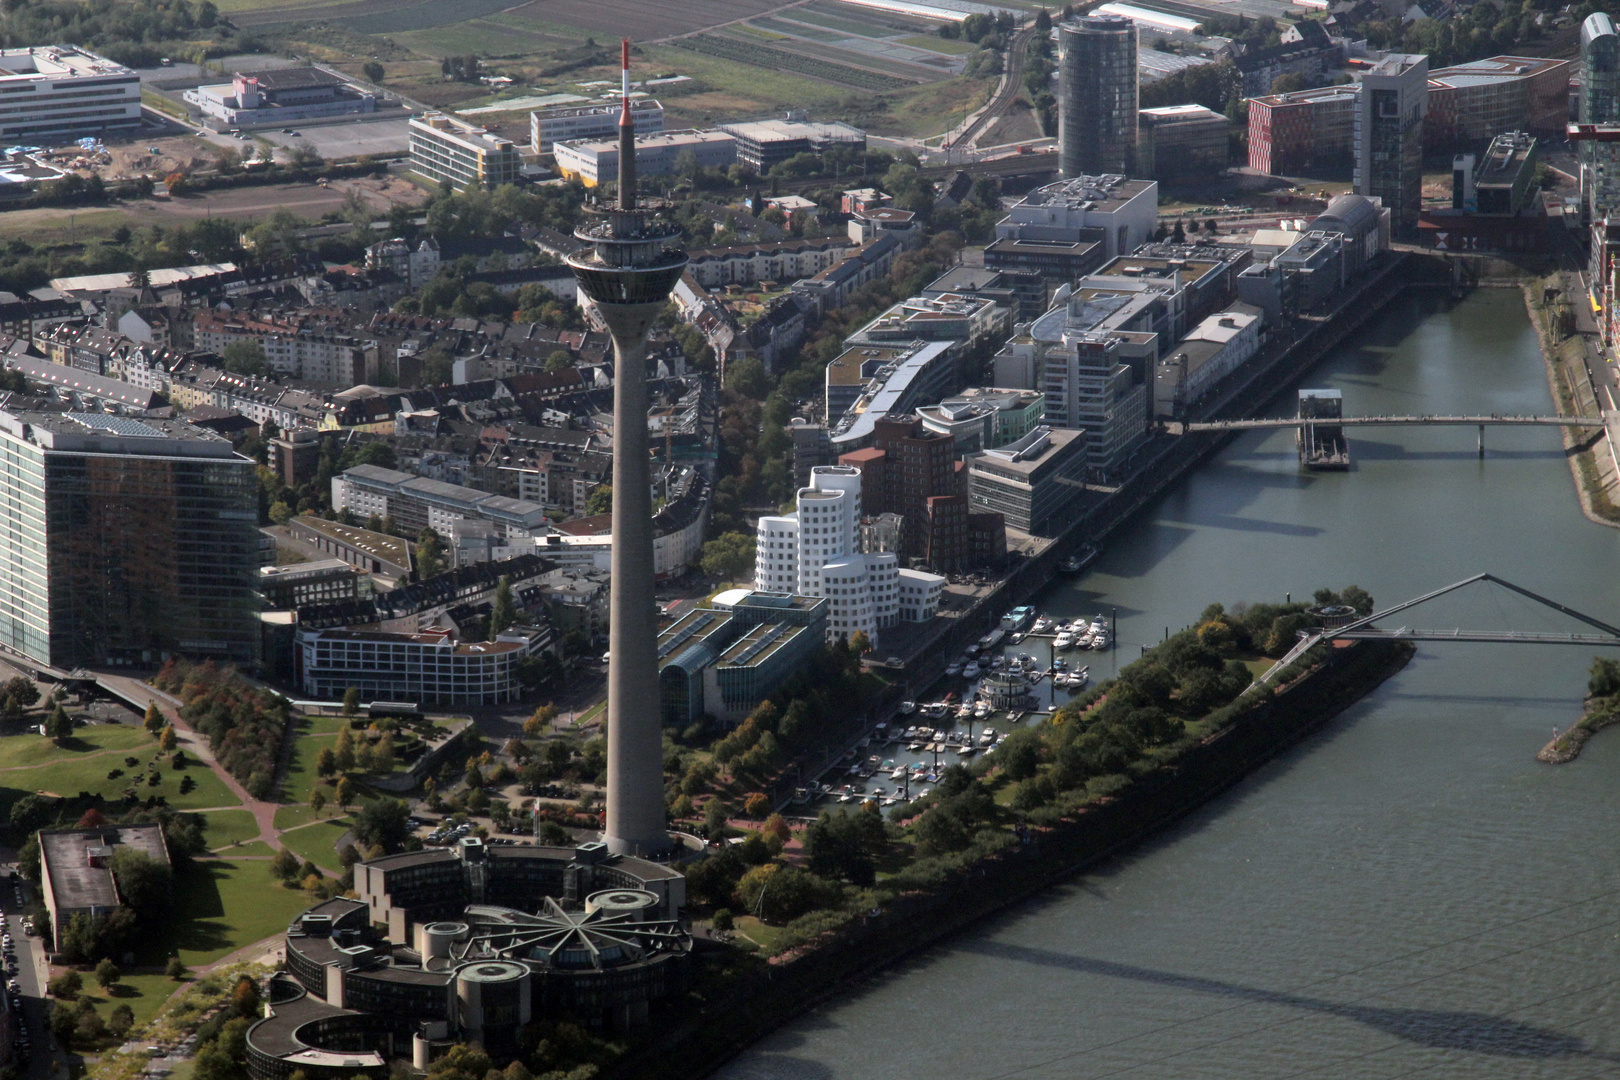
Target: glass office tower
column 124, row 541
column 1097, row 96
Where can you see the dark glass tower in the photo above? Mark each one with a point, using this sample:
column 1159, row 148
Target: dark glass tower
column 1097, row 95
column 628, row 273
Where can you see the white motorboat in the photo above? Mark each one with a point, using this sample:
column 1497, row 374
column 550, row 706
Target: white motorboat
column 1063, row 641
column 898, row 774
column 981, row 710
column 1042, row 625
column 971, row 671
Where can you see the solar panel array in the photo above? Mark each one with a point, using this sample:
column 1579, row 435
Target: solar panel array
column 116, row 425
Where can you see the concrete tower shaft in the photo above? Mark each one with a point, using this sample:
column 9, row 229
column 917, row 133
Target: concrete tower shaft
column 631, row 268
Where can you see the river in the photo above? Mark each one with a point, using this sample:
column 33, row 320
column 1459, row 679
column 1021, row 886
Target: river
column 1407, row 894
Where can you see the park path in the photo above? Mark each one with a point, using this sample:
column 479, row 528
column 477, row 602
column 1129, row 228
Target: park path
column 133, row 689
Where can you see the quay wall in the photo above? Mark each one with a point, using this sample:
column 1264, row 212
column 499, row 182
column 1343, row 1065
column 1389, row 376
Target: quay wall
column 753, row 1003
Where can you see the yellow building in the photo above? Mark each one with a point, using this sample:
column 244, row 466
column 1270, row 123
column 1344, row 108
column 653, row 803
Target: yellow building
column 445, row 150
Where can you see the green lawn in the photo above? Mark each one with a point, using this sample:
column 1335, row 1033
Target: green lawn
column 221, row 906
column 315, row 733
column 17, row 751
column 144, row 994
column 315, row 843
column 229, row 827
column 78, row 768
column 252, row 847
column 294, row 814
column 939, row 44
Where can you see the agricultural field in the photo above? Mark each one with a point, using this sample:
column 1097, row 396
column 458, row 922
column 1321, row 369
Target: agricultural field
column 741, row 59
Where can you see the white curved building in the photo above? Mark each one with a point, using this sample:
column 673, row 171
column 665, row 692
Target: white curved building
column 815, row 551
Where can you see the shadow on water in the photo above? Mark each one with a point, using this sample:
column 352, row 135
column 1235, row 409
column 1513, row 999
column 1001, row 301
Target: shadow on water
column 1475, row 1032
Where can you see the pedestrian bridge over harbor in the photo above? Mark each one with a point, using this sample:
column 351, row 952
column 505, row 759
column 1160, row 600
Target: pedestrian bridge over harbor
column 1495, row 419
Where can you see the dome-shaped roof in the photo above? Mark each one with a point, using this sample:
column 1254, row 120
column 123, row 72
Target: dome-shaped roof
column 1348, row 212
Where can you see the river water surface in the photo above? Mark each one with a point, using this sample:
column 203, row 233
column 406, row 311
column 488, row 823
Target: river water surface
column 1408, row 894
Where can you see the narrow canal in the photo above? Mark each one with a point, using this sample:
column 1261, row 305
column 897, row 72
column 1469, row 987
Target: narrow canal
column 1409, row 893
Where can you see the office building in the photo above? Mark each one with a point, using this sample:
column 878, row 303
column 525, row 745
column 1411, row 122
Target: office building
column 890, row 382
column 429, row 667
column 1389, row 137
column 1118, row 214
column 575, row 123
column 131, row 541
column 323, row 581
column 1182, row 142
column 445, row 150
column 625, row 276
column 905, row 467
column 725, row 656
column 1021, row 292
column 416, row 503
column 1097, row 96
column 1306, row 132
column 76, row 869
column 1599, row 109
column 1504, row 183
column 1032, row 482
column 1198, row 362
column 980, row 418
column 764, row 144
column 368, row 551
column 815, row 551
column 1474, row 102
column 277, row 97
column 657, row 154
column 65, row 92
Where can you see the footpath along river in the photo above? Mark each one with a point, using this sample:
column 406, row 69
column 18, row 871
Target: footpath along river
column 1407, row 894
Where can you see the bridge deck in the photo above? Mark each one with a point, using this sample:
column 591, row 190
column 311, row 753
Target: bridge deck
column 1388, row 421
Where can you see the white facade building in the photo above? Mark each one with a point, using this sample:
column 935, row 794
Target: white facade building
column 657, row 154
column 63, row 90
column 815, row 551
column 566, row 123
column 1118, row 213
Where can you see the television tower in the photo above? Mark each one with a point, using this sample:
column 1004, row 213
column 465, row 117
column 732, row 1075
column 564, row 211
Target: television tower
column 629, row 271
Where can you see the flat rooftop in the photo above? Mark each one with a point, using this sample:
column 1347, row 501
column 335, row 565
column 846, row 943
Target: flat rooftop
column 1102, row 193
column 104, row 433
column 382, row 545
column 65, row 854
column 55, row 62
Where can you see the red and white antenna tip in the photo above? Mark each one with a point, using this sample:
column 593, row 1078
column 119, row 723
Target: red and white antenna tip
column 624, row 79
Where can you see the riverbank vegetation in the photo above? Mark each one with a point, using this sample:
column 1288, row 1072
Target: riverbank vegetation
column 800, row 887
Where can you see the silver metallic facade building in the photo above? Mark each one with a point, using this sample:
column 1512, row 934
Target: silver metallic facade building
column 628, row 272
column 1600, row 104
column 1097, row 95
column 1389, row 137
column 126, row 541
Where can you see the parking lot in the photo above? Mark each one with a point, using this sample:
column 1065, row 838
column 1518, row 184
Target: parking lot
column 345, row 140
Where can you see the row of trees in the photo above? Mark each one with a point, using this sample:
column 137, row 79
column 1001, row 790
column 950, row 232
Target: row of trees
column 244, row 725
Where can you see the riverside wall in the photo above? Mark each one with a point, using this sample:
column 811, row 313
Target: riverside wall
column 754, row 1003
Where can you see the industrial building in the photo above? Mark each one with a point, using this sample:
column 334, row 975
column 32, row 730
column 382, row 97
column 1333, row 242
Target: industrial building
column 726, row 656
column 1182, row 142
column 657, row 154
column 764, row 144
column 1031, row 482
column 468, row 945
column 76, row 869
column 1303, row 132
column 431, row 666
column 446, row 150
column 280, row 96
column 1097, row 96
column 131, row 541
column 572, row 123
column 64, row 91
column 1389, row 137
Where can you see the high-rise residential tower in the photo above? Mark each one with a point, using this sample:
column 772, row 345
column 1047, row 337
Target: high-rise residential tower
column 128, row 541
column 1389, row 137
column 628, row 272
column 1097, row 96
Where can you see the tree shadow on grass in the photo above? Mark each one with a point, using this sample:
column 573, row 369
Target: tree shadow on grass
column 198, row 924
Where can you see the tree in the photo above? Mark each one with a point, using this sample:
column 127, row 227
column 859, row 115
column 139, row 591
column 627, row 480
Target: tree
column 21, row 690
column 168, row 740
column 245, row 997
column 120, row 1020
column 66, row 986
column 747, row 378
column 144, row 883
column 1288, row 84
column 536, row 725
column 317, row 800
column 108, row 974
column 559, row 360
column 245, row 357
column 1211, row 226
column 284, row 864
column 728, row 556
column 859, row 643
column 88, row 1026
column 344, row 754
column 382, row 821
column 757, row 805
column 722, row 921
column 502, row 612
column 345, row 792
column 326, row 762
column 374, row 71
column 429, row 554
column 351, row 701
column 175, row 969
column 60, row 724
column 600, row 500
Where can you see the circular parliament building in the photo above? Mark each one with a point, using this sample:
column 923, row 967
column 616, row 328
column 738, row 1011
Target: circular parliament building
column 468, row 944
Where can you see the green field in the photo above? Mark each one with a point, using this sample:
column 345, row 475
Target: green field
column 255, row 848
column 229, row 827
column 289, row 815
column 937, row 44
column 221, row 906
column 315, row 733
column 144, row 994
column 315, row 843
column 84, row 762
